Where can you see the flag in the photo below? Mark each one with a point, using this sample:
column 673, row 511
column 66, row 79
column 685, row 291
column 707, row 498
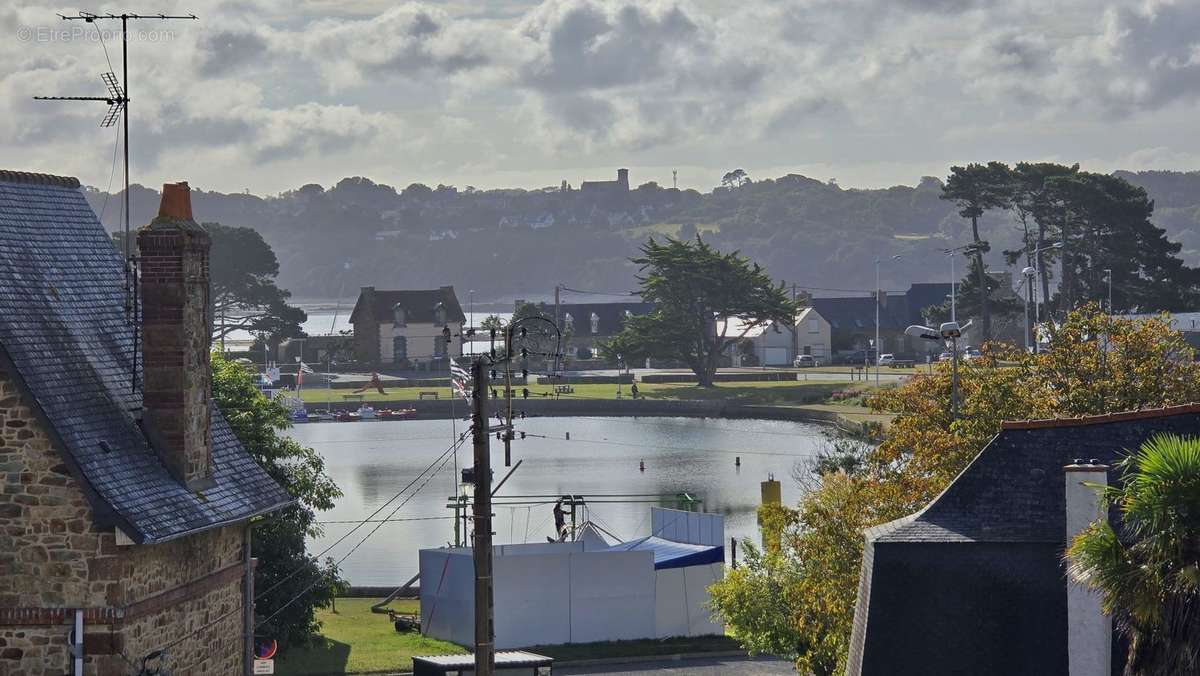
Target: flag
column 459, row 379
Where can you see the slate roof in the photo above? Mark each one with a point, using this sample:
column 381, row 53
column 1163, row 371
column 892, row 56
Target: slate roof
column 612, row 315
column 65, row 338
column 1013, row 490
column 898, row 312
column 418, row 305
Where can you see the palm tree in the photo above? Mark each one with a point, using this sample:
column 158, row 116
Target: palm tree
column 1149, row 575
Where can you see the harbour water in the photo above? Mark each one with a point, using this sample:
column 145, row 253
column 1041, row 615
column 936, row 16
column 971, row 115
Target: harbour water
column 372, row 461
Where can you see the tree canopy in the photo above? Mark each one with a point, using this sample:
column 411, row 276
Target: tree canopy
column 699, row 294
column 285, row 568
column 1096, row 364
column 243, row 268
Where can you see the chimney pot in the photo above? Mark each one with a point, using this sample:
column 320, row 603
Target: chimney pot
column 176, row 201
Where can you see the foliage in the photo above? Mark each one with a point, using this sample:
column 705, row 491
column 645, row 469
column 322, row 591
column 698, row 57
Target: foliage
column 975, row 189
column 279, row 540
column 1095, row 364
column 492, row 322
column 735, row 179
column 242, row 268
column 1149, row 576
column 696, row 291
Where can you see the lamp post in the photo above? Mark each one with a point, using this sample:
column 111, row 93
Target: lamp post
column 1037, row 316
column 1030, row 275
column 1108, row 272
column 877, row 294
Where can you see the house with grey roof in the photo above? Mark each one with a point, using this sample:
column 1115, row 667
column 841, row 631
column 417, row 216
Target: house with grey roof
column 586, row 325
column 125, row 498
column 407, row 328
column 975, row 583
column 852, row 319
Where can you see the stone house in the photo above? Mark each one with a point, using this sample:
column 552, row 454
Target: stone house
column 406, row 328
column 778, row 345
column 974, row 583
column 125, row 498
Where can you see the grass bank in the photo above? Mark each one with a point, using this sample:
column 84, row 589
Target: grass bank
column 780, row 392
column 356, row 641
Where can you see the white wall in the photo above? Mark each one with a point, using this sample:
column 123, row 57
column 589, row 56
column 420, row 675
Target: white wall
column 680, row 600
column 543, row 594
column 694, row 528
column 421, row 339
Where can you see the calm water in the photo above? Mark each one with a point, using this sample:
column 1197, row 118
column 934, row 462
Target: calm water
column 372, row 461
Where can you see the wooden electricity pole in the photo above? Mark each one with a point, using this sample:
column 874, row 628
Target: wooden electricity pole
column 485, row 647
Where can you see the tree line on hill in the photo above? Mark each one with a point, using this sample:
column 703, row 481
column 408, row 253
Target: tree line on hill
column 813, row 233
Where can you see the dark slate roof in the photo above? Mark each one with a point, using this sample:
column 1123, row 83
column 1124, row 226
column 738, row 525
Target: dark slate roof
column 64, row 335
column 1013, row 490
column 418, row 304
column 898, row 312
column 611, row 315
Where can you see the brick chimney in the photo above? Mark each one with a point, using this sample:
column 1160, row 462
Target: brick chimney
column 177, row 376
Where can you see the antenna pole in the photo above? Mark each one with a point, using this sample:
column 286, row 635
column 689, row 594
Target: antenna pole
column 125, row 131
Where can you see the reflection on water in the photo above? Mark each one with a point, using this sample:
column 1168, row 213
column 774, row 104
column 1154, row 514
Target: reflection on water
column 372, row 461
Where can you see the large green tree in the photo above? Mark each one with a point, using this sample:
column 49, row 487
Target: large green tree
column 699, row 293
column 976, row 189
column 285, row 568
column 1105, row 224
column 1149, row 575
column 242, row 268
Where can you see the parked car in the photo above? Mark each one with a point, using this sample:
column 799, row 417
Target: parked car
column 858, row 357
column 887, row 359
column 805, row 361
column 971, row 352
column 945, row 356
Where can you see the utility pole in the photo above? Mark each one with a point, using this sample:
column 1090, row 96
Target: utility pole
column 485, row 647
column 557, row 288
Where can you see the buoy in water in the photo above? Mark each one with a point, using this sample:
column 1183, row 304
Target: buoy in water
column 641, row 465
column 568, row 436
column 737, row 461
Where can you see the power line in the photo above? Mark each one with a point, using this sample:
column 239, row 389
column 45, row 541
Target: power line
column 411, row 518
column 372, row 515
column 659, row 447
column 443, row 459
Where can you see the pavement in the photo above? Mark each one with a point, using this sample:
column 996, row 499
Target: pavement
column 701, row 666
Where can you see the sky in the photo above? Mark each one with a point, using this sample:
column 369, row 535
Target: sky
column 269, row 95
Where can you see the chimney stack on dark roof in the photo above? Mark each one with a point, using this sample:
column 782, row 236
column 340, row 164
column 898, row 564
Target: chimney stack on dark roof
column 177, row 376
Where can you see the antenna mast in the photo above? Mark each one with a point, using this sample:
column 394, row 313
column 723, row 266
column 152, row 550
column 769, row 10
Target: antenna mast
column 118, row 101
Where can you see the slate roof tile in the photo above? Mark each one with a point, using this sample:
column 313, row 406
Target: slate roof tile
column 63, row 330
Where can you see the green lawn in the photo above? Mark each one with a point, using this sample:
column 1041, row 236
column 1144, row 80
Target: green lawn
column 747, row 392
column 357, row 641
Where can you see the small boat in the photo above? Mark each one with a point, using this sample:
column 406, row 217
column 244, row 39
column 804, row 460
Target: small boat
column 345, row 416
column 395, row 414
column 299, row 415
column 322, row 416
column 366, row 412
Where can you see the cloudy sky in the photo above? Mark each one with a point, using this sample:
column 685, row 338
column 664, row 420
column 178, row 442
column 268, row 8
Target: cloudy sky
column 267, row 95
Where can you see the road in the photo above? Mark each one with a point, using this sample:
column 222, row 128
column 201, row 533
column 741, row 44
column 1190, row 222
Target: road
column 760, row 666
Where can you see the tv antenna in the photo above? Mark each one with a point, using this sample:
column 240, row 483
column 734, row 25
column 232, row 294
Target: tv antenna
column 118, row 102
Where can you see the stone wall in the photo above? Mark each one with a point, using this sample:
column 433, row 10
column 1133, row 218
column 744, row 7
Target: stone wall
column 136, row 599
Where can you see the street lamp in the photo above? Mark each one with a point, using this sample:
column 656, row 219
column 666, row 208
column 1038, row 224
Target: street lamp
column 1108, row 273
column 1029, row 274
column 1037, row 262
column 953, row 278
column 877, row 293
column 948, row 331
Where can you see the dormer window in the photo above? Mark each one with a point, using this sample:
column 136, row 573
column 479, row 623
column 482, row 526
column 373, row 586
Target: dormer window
column 439, row 315
column 595, row 323
column 399, row 317
column 568, row 322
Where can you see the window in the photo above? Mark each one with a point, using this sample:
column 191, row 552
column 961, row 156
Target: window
column 399, row 349
column 808, row 349
column 595, row 323
column 439, row 315
column 439, row 346
column 814, row 325
column 399, row 317
column 568, row 322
